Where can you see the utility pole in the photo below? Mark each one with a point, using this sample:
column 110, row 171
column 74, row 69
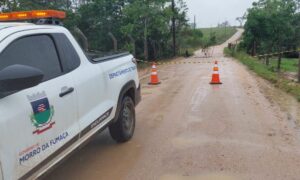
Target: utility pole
column 225, row 23
column 195, row 22
column 174, row 28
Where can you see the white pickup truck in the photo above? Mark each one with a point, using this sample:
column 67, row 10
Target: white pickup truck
column 53, row 98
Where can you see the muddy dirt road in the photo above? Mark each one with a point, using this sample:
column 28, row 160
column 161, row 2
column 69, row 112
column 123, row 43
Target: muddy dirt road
column 190, row 130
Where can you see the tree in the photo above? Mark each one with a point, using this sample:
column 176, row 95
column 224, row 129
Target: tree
column 241, row 20
column 269, row 26
column 98, row 19
column 150, row 22
column 15, row 5
column 144, row 25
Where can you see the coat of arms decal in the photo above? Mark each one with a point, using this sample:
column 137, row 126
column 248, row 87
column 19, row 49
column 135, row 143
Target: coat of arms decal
column 43, row 112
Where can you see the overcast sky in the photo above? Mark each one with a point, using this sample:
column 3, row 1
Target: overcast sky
column 211, row 12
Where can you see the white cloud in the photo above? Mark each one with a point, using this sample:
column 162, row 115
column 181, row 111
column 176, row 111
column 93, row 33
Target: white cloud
column 211, row 12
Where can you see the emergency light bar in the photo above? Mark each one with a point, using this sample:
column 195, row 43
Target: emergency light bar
column 30, row 15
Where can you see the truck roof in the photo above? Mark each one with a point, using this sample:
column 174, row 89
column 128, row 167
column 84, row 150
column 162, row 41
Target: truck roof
column 8, row 28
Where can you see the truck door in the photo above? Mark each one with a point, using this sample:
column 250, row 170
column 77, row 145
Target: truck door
column 40, row 122
column 95, row 107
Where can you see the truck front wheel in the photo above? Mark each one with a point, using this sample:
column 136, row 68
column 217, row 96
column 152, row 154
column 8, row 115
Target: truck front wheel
column 123, row 129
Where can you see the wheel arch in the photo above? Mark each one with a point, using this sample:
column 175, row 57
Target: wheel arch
column 129, row 89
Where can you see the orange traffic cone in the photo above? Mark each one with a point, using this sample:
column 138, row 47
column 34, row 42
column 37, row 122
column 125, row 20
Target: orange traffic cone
column 154, row 76
column 216, row 67
column 216, row 75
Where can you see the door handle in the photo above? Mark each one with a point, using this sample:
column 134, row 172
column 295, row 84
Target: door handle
column 66, row 92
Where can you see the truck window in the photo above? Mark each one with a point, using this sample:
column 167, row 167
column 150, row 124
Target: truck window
column 68, row 55
column 36, row 51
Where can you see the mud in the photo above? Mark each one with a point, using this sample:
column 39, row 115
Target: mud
column 189, row 130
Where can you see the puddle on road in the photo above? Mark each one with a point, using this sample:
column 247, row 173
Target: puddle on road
column 198, row 97
column 144, row 93
column 216, row 87
column 202, row 177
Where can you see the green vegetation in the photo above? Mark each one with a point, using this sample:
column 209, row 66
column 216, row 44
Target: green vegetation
column 254, row 64
column 267, row 73
column 190, row 40
column 272, row 26
column 193, row 40
column 142, row 27
column 287, row 65
column 221, row 34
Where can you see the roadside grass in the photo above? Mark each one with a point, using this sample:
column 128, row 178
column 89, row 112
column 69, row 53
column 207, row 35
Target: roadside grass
column 142, row 66
column 222, row 33
column 191, row 50
column 288, row 64
column 195, row 43
column 148, row 65
column 268, row 73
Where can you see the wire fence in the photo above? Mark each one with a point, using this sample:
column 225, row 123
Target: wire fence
column 285, row 62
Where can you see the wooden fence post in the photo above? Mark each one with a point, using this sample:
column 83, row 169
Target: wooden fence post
column 133, row 44
column 279, row 62
column 267, row 61
column 83, row 38
column 114, row 41
column 299, row 67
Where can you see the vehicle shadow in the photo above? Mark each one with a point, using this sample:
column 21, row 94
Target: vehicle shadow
column 99, row 146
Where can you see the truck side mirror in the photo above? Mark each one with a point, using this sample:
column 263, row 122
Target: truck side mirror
column 18, row 77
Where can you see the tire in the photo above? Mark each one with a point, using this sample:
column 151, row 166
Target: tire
column 123, row 129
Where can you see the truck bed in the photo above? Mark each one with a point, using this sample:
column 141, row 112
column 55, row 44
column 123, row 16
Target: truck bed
column 101, row 56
